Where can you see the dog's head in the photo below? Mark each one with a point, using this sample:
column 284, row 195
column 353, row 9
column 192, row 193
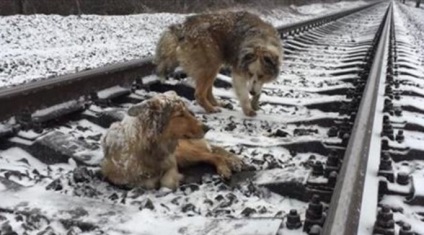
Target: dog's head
column 166, row 116
column 260, row 63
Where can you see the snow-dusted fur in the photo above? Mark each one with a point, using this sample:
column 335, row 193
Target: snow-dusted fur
column 206, row 42
column 139, row 150
column 154, row 139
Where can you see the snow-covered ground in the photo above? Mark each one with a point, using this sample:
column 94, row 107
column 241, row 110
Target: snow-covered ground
column 63, row 198
column 50, row 45
column 413, row 22
column 39, row 46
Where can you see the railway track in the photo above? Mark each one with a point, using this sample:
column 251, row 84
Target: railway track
column 334, row 149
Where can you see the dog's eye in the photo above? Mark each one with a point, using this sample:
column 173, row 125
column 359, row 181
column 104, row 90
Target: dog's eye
column 248, row 57
column 260, row 76
column 268, row 60
column 250, row 74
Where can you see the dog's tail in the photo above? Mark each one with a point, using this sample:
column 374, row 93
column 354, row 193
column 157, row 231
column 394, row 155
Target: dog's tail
column 166, row 51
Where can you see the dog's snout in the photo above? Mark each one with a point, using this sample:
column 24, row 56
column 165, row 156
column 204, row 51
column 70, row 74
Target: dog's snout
column 252, row 93
column 205, row 128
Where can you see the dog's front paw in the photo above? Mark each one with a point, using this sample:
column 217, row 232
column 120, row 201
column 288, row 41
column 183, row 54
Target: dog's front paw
column 213, row 110
column 171, row 180
column 249, row 112
column 235, row 163
column 224, row 171
column 255, row 103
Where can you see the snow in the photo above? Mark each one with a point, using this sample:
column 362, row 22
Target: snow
column 36, row 47
column 198, row 225
column 409, row 214
column 120, row 219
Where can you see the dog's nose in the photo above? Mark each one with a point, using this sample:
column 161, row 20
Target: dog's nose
column 252, row 93
column 205, row 128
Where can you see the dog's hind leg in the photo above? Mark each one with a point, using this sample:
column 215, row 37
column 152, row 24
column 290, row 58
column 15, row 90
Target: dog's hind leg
column 211, row 98
column 204, row 83
column 200, row 59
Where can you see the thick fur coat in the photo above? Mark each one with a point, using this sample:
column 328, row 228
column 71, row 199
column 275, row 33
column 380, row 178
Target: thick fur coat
column 204, row 43
column 158, row 135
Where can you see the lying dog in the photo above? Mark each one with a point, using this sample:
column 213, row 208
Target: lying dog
column 154, row 139
column 204, row 43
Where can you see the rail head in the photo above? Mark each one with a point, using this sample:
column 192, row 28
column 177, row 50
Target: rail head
column 30, row 97
column 288, row 29
column 344, row 213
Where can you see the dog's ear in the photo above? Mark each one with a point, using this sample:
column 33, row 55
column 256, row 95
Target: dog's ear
column 148, row 105
column 135, row 110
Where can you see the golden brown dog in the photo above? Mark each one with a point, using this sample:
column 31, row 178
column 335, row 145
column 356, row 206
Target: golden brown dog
column 158, row 135
column 204, row 43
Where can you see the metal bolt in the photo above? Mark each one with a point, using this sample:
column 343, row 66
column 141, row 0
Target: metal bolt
column 388, row 131
column 344, row 109
column 402, row 178
column 385, row 162
column 406, row 229
column 332, row 132
column 352, row 116
column 388, row 89
column 350, row 93
column 314, row 214
column 385, row 214
column 385, row 223
column 333, row 160
column 332, row 179
column 384, row 144
column 388, row 105
column 315, row 207
column 400, row 137
column 397, row 84
column 345, row 139
column 318, row 169
column 386, row 119
column 293, row 220
column 315, row 230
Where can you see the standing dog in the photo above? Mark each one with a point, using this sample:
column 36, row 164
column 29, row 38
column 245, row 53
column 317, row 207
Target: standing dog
column 158, row 135
column 204, row 43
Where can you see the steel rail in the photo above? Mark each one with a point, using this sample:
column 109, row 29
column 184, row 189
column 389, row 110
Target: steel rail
column 344, row 212
column 27, row 98
column 294, row 28
column 30, row 97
